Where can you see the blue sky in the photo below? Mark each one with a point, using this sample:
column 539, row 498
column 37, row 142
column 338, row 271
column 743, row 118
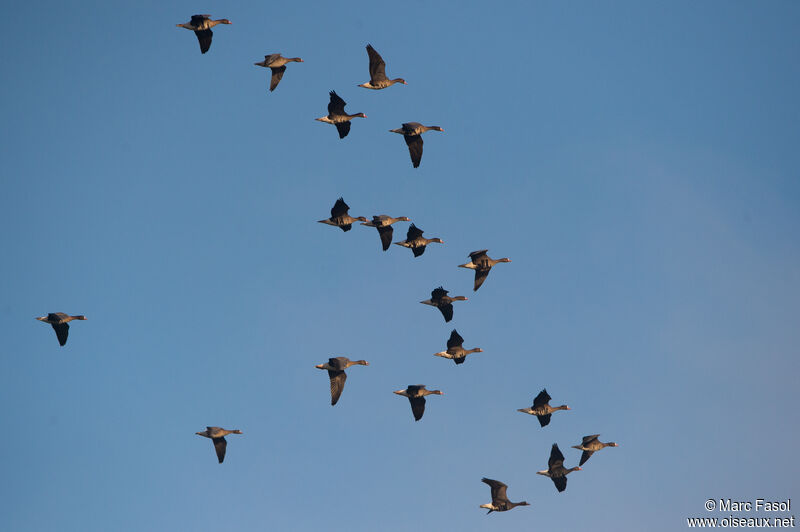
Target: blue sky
column 636, row 161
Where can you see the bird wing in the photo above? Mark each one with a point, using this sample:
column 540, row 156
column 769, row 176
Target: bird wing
column 220, row 445
column 459, row 360
column 438, row 293
column 419, row 250
column 336, row 105
column 447, row 311
column 498, row 489
column 556, row 458
column 560, row 482
column 587, row 439
column 455, row 340
column 385, row 233
column 544, row 420
column 414, row 143
column 417, row 407
column 343, row 128
column 480, row 277
column 62, row 331
column 338, row 377
column 277, row 75
column 413, row 233
column 542, row 399
column 268, row 59
column 377, row 67
column 585, row 456
column 476, row 254
column 204, row 38
column 198, row 19
column 339, row 208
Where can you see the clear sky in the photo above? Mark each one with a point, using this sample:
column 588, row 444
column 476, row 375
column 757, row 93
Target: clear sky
column 637, row 161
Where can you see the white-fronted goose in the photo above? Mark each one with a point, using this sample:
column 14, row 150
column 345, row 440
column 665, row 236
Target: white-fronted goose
column 556, row 470
column 541, row 408
column 443, row 302
column 217, row 436
column 412, row 132
column 337, row 116
column 276, row 63
column 336, row 367
column 201, row 26
column 415, row 242
column 500, row 502
column 416, row 396
column 377, row 72
column 482, row 264
column 60, row 323
column 455, row 351
column 384, row 225
column 590, row 444
column 339, row 217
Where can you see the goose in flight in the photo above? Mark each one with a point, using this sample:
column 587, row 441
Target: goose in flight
column 201, row 26
column 60, row 323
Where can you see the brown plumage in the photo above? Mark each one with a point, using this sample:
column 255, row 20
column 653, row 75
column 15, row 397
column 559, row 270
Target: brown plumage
column 336, row 374
column 590, row 445
column 377, row 72
column 556, row 470
column 412, row 133
column 201, row 26
column 443, row 302
column 276, row 63
column 337, row 116
column 340, row 217
column 541, row 408
column 416, row 396
column 455, row 350
column 500, row 502
column 416, row 242
column 383, row 224
column 217, row 436
column 482, row 264
column 60, row 323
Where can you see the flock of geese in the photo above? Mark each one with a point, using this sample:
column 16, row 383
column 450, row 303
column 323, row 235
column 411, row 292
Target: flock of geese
column 480, row 262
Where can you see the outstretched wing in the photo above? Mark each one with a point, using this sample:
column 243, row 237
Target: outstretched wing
column 343, row 128
column 455, row 340
column 544, row 420
column 419, row 250
column 561, row 483
column 417, row 407
column 414, row 143
column 588, row 439
column 498, row 489
column 477, row 254
column 438, row 293
column 377, row 67
column 62, row 331
column 480, row 277
column 339, row 208
column 585, row 456
column 336, row 105
column 385, row 233
column 338, row 378
column 204, row 38
column 447, row 311
column 556, row 458
column 277, row 75
column 542, row 399
column 220, row 445
column 413, row 233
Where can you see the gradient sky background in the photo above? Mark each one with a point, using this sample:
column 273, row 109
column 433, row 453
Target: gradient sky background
column 637, row 161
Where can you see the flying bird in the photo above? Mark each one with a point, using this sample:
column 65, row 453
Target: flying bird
column 590, row 444
column 455, row 351
column 482, row 264
column 412, row 133
column 415, row 242
column 339, row 217
column 337, row 116
column 443, row 302
column 500, row 502
column 336, row 367
column 377, row 72
column 384, row 225
column 416, row 396
column 556, row 470
column 201, row 26
column 60, row 323
column 217, row 436
column 541, row 408
column 277, row 64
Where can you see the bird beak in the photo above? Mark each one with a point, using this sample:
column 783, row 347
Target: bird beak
column 319, row 366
